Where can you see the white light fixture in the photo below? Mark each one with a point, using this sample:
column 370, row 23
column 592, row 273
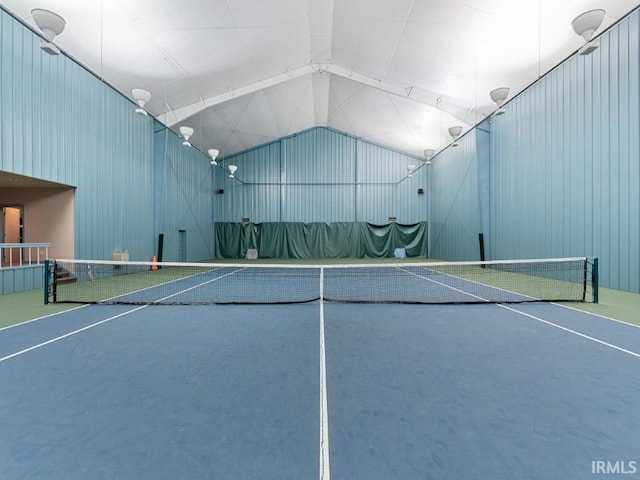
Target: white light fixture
column 186, row 132
column 410, row 170
column 429, row 153
column 455, row 132
column 586, row 25
column 213, row 153
column 141, row 97
column 51, row 24
column 232, row 170
column 499, row 95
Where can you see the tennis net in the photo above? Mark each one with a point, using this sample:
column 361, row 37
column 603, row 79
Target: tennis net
column 118, row 282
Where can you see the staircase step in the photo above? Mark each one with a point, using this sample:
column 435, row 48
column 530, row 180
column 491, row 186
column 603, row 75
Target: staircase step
column 64, row 276
column 66, row 279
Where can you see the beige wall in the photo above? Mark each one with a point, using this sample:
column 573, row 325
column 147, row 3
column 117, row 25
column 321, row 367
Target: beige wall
column 48, row 216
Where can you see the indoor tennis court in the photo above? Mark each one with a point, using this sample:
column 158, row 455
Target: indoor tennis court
column 152, row 382
column 317, row 390
column 320, row 239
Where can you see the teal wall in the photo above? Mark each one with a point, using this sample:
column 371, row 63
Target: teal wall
column 60, row 123
column 557, row 175
column 20, row 279
column 321, row 175
column 455, row 214
column 565, row 173
column 183, row 198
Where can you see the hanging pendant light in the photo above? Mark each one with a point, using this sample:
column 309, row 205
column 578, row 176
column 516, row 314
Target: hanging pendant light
column 410, row 170
column 455, row 132
column 186, row 133
column 141, row 97
column 51, row 24
column 499, row 95
column 213, row 153
column 586, row 25
column 428, row 154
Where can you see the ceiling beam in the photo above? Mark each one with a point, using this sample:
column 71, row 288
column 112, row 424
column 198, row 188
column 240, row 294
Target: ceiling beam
column 321, row 83
column 468, row 116
column 178, row 115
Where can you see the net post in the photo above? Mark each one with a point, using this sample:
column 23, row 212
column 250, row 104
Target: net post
column 585, row 270
column 54, row 282
column 594, row 280
column 46, row 281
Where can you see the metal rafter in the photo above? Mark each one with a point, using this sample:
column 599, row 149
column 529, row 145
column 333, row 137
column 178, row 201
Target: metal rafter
column 468, row 116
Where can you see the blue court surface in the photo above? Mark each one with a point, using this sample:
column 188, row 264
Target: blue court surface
column 534, row 391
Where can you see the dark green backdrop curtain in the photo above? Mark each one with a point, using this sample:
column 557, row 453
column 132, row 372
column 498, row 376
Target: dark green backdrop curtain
column 319, row 240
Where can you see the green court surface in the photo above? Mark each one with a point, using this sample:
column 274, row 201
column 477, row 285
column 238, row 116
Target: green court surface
column 23, row 306
column 614, row 304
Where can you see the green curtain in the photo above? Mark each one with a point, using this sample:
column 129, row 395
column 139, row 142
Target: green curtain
column 319, row 240
column 234, row 239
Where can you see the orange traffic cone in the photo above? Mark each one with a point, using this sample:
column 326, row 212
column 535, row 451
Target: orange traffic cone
column 154, row 265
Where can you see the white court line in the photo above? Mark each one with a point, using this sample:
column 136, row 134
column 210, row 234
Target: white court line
column 181, row 279
column 42, row 318
column 474, row 282
column 604, row 317
column 61, row 337
column 593, row 339
column 533, row 298
column 588, row 337
column 324, row 410
column 444, row 284
column 197, row 286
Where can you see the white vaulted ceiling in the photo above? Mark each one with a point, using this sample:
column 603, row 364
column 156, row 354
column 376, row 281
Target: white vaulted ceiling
column 246, row 72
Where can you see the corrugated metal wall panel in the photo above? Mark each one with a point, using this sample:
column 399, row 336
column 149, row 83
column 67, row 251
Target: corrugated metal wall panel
column 259, row 203
column 261, row 165
column 565, row 174
column 255, row 193
column 229, row 206
column 186, row 202
column 319, row 203
column 114, row 194
column 262, row 202
column 633, row 141
column 376, row 203
column 320, row 156
column 411, row 205
column 60, row 123
column 455, row 214
column 379, row 165
column 322, row 176
column 15, row 280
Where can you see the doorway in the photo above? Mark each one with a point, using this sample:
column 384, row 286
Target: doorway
column 182, row 245
column 11, row 231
